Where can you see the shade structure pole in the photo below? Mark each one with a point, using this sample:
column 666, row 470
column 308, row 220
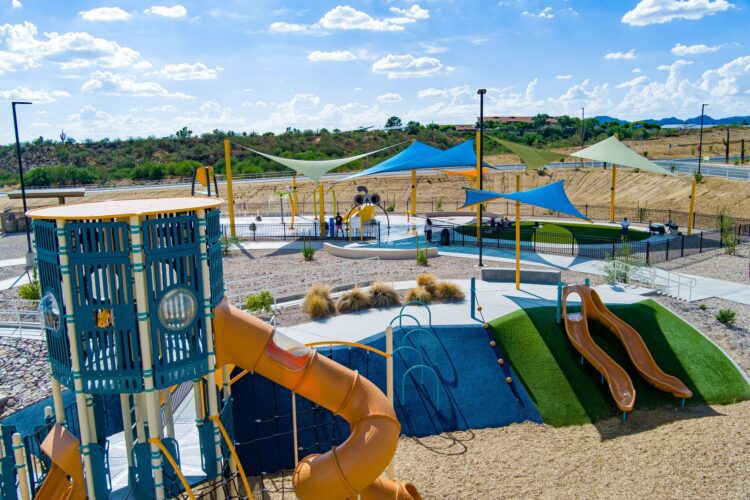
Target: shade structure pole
column 479, row 206
column 294, row 199
column 518, row 235
column 321, row 199
column 692, row 208
column 613, row 190
column 230, row 196
column 414, row 199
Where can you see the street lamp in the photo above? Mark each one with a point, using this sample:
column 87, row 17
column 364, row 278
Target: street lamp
column 700, row 141
column 583, row 129
column 481, row 93
column 23, row 186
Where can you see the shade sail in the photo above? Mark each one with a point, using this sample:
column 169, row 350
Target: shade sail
column 613, row 151
column 421, row 156
column 552, row 197
column 533, row 158
column 470, row 173
column 314, row 169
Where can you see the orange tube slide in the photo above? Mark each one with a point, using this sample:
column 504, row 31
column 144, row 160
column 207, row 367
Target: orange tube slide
column 351, row 469
column 64, row 480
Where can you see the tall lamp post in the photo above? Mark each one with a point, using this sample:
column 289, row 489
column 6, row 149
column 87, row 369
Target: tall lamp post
column 480, row 162
column 700, row 140
column 23, row 186
column 583, row 130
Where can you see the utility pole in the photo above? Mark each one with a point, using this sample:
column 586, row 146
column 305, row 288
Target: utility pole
column 583, row 129
column 481, row 93
column 29, row 259
column 700, row 141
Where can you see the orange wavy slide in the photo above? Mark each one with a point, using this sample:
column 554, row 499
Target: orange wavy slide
column 64, row 479
column 620, row 384
column 351, row 469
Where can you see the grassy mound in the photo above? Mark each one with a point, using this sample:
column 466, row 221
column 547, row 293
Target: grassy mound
column 566, row 392
column 555, row 232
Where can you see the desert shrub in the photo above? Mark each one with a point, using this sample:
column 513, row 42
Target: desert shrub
column 726, row 316
column 446, row 291
column 31, row 290
column 308, row 253
column 353, row 300
column 318, row 303
column 418, row 294
column 422, row 258
column 703, row 307
column 383, row 295
column 260, row 303
column 698, row 177
column 227, row 242
column 728, row 235
column 426, row 280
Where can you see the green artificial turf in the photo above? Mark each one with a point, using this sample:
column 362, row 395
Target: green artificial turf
column 566, row 392
column 556, row 232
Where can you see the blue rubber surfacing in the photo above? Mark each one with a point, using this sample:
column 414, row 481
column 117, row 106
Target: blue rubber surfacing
column 470, row 383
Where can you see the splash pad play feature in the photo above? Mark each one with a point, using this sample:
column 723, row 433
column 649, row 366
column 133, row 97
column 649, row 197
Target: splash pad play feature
column 133, row 306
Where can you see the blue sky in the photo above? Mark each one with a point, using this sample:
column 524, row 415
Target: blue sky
column 131, row 68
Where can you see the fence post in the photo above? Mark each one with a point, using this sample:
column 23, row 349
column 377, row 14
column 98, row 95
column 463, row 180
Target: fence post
column 700, row 248
column 558, row 311
column 587, row 209
column 614, row 251
column 533, row 240
column 648, row 251
column 666, row 257
column 682, row 246
column 473, row 295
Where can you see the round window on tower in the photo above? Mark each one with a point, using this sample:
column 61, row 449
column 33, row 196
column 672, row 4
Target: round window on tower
column 177, row 309
column 50, row 311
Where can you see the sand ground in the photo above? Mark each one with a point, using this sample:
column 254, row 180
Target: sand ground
column 701, row 452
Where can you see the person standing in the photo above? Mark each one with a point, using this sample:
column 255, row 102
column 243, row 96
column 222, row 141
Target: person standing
column 340, row 225
column 625, row 224
column 428, row 230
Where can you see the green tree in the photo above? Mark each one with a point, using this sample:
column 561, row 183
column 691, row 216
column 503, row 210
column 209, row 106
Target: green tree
column 393, row 121
column 184, row 134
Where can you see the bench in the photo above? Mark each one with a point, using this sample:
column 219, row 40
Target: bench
column 530, row 276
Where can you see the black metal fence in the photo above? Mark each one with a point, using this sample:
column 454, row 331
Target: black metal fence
column 306, row 230
column 588, row 246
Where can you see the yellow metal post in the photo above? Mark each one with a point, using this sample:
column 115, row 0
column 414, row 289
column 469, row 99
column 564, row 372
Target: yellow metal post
column 612, row 196
column 294, row 199
column 414, row 197
column 479, row 171
column 230, row 196
column 692, row 208
column 322, row 211
column 518, row 235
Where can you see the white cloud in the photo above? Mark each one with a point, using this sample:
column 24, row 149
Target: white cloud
column 408, row 66
column 174, row 12
column 457, row 95
column 334, row 56
column 186, row 71
column 142, row 65
column 621, row 55
column 165, row 108
column 95, row 123
column 729, row 79
column 639, row 80
column 345, row 17
column 20, row 49
column 105, row 14
column 105, row 82
column 663, row 11
column 389, row 97
column 564, row 77
column 16, row 4
column 637, row 70
column 36, row 96
column 594, row 98
column 545, row 13
column 413, row 12
column 689, row 50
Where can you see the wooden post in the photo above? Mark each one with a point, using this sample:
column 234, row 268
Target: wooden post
column 150, row 394
column 75, row 360
column 692, row 208
column 127, row 427
column 57, row 400
column 21, row 472
column 389, row 384
column 414, row 197
column 230, row 196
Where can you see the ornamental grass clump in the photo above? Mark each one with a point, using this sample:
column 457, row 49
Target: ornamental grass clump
column 445, row 291
column 419, row 293
column 318, row 303
column 353, row 300
column 383, row 295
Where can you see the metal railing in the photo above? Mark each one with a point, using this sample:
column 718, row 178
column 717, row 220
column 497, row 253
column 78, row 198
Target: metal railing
column 301, row 230
column 666, row 282
column 19, row 317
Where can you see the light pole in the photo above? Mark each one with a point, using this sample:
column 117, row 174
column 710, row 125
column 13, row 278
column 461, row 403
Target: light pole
column 583, row 129
column 481, row 93
column 23, row 186
column 700, row 140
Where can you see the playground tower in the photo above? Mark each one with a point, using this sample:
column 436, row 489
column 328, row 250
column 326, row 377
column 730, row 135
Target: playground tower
column 127, row 293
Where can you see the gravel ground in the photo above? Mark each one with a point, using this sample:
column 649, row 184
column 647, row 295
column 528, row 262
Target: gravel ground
column 715, row 264
column 13, row 245
column 24, row 372
column 11, row 271
column 694, row 452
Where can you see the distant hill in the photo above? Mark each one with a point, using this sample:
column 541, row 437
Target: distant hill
column 707, row 120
